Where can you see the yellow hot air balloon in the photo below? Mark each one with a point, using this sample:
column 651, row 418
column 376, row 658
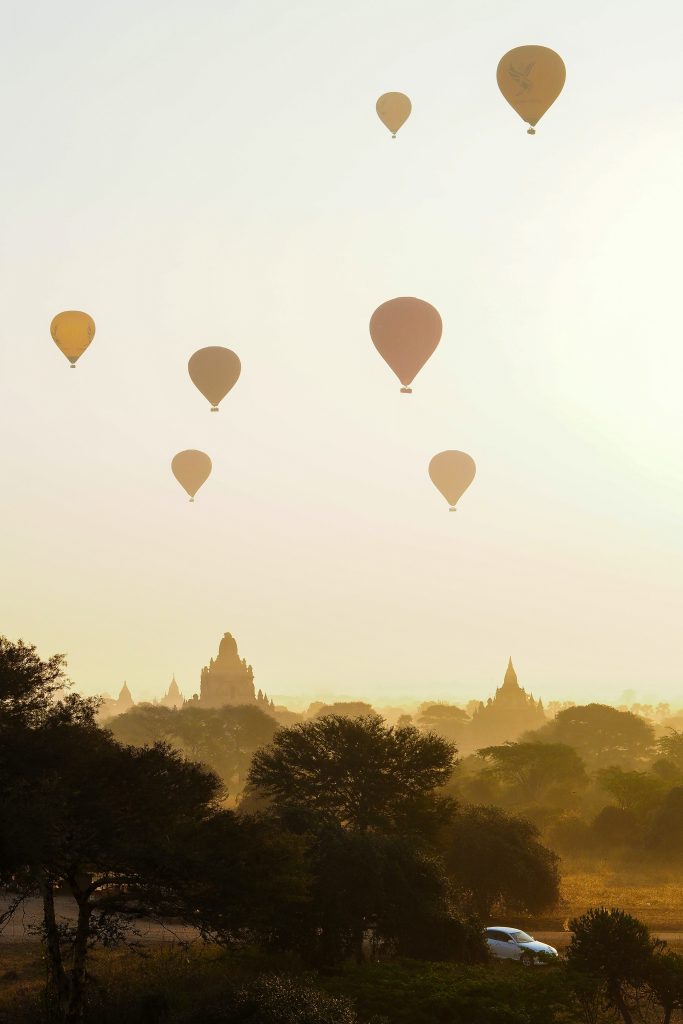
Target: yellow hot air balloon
column 191, row 469
column 405, row 332
column 531, row 78
column 393, row 110
column 72, row 332
column 452, row 473
column 214, row 371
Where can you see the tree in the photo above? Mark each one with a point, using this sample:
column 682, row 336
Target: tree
column 616, row 949
column 665, row 833
column 495, row 859
column 86, row 815
column 364, row 797
column 671, row 748
column 224, row 739
column 122, row 829
column 613, row 827
column 634, row 791
column 601, row 735
column 358, row 774
column 446, row 720
column 665, row 982
column 531, row 769
column 345, row 708
column 33, row 691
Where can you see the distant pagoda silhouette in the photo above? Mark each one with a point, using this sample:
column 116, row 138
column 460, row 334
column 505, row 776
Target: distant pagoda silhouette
column 173, row 698
column 228, row 679
column 508, row 714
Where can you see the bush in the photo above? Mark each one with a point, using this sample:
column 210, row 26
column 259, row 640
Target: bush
column 614, row 827
column 278, row 999
column 411, row 992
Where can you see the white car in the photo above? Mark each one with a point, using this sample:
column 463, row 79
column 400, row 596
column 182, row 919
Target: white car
column 512, row 944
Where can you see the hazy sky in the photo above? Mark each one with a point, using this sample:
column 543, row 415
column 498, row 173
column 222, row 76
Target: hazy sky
column 214, row 173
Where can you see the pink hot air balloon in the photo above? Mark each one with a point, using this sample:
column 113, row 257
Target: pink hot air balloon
column 405, row 332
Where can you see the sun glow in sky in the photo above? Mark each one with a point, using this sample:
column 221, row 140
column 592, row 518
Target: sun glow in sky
column 215, row 174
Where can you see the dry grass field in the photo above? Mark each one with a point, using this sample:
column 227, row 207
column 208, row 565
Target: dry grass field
column 655, row 899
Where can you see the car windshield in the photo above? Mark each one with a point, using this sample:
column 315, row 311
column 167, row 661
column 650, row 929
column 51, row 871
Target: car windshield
column 522, row 937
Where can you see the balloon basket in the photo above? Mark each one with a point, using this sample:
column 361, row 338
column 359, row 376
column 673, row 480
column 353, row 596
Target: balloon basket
column 406, row 391
column 393, row 135
column 191, row 499
column 452, row 509
column 214, row 408
column 531, row 131
column 73, row 366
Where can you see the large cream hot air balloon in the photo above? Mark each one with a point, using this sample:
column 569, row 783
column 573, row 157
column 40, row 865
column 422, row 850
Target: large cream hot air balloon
column 72, row 332
column 452, row 473
column 405, row 332
column 393, row 110
column 191, row 469
column 214, row 371
column 531, row 78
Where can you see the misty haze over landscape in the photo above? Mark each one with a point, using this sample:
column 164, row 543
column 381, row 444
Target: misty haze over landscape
column 342, row 545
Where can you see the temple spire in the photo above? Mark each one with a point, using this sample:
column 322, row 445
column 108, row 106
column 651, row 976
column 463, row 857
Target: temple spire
column 510, row 679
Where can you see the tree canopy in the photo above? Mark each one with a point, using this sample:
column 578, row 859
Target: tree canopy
column 356, row 773
column 532, row 768
column 497, row 860
column 224, row 739
column 122, row 829
column 601, row 735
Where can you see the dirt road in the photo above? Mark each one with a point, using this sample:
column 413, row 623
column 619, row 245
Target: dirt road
column 560, row 940
column 24, row 926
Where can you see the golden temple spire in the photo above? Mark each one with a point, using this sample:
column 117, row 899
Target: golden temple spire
column 510, row 676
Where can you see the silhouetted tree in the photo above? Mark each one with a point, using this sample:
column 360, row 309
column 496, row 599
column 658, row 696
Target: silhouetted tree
column 665, row 833
column 224, row 739
column 634, row 791
column 601, row 735
column 665, row 982
column 364, row 796
column 616, row 950
column 612, row 828
column 357, row 773
column 495, row 859
column 671, row 748
column 121, row 829
column 533, row 768
column 345, row 708
column 446, row 720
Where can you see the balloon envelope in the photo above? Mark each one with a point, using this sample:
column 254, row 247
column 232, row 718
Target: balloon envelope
column 531, row 78
column 405, row 332
column 214, row 371
column 72, row 332
column 452, row 473
column 191, row 468
column 393, row 109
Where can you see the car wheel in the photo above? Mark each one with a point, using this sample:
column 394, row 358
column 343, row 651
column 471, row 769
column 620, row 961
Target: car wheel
column 526, row 959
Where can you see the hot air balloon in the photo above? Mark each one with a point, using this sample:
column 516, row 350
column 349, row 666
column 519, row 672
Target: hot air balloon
column 393, row 110
column 72, row 332
column 531, row 78
column 191, row 468
column 452, row 473
column 214, row 370
column 405, row 332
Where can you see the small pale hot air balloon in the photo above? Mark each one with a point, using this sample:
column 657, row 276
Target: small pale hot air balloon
column 531, row 78
column 405, row 332
column 214, row 371
column 452, row 473
column 191, row 469
column 393, row 110
column 72, row 332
